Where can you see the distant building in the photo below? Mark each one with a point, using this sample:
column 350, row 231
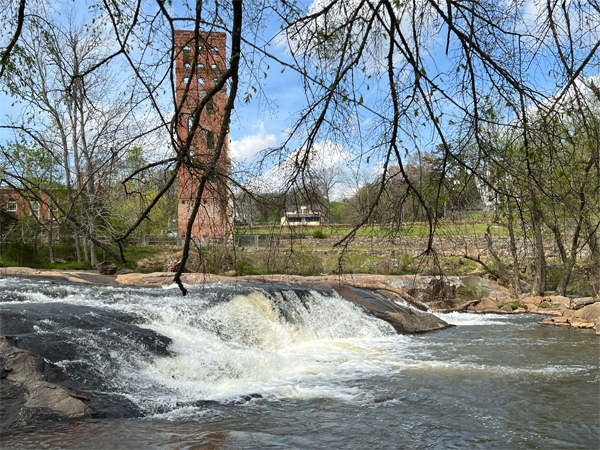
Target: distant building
column 302, row 216
column 14, row 204
column 214, row 214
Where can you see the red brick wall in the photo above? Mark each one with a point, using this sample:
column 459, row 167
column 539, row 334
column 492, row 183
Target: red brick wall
column 23, row 206
column 214, row 216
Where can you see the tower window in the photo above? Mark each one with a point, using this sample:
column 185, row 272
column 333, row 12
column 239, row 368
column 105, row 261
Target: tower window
column 200, row 66
column 11, row 206
column 186, row 80
column 210, row 140
column 215, row 49
column 213, row 66
column 186, row 48
column 200, row 80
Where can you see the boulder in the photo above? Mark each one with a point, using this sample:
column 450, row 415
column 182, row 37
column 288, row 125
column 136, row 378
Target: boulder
column 27, row 399
column 557, row 300
column 59, row 261
column 536, row 300
column 487, row 304
column 411, row 321
column 587, row 314
column 586, row 317
column 580, row 302
column 107, row 268
column 404, row 319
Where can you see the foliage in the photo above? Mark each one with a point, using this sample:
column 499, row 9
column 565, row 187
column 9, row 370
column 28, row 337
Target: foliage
column 319, row 234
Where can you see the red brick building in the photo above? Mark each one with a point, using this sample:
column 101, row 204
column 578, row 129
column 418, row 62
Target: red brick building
column 13, row 203
column 214, row 215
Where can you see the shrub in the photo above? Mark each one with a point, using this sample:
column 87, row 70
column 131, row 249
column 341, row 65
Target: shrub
column 319, row 234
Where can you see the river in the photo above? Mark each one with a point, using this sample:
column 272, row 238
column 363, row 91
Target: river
column 249, row 367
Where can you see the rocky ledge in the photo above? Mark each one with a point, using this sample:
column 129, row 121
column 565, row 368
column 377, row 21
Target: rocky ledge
column 28, row 400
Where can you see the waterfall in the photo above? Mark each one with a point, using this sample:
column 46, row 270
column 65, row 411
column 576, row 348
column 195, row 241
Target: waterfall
column 159, row 350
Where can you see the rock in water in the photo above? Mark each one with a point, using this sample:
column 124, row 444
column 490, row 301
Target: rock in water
column 404, row 319
column 26, row 398
column 107, row 268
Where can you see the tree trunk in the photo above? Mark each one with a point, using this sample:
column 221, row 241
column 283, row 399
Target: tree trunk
column 539, row 274
column 50, row 249
column 513, row 249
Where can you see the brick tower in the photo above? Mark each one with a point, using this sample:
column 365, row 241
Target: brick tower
column 214, row 215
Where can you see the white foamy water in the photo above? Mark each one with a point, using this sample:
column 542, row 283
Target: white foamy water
column 469, row 319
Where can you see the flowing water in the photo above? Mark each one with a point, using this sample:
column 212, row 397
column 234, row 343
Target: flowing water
column 232, row 367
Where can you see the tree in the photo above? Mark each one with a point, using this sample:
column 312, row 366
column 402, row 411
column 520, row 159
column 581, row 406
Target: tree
column 382, row 77
column 67, row 117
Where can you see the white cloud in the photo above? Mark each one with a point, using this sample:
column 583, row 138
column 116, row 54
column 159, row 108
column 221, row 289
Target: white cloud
column 245, row 148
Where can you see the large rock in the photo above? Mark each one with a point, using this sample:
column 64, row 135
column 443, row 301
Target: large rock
column 488, row 305
column 404, row 319
column 536, row 300
column 586, row 317
column 557, row 300
column 580, row 302
column 107, row 268
column 27, row 399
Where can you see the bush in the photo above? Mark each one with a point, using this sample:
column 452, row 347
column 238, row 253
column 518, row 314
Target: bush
column 319, row 234
column 244, row 267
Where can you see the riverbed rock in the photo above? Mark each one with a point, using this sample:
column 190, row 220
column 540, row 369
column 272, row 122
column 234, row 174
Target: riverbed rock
column 578, row 303
column 107, row 268
column 535, row 300
column 27, row 399
column 557, row 300
column 487, row 305
column 404, row 319
column 587, row 314
column 587, row 317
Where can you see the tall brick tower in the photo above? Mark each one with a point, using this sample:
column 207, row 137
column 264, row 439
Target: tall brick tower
column 214, row 215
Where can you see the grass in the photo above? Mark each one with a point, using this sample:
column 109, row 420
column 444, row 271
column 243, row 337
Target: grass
column 408, row 229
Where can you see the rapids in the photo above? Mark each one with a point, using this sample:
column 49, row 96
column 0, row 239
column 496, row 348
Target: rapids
column 274, row 366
